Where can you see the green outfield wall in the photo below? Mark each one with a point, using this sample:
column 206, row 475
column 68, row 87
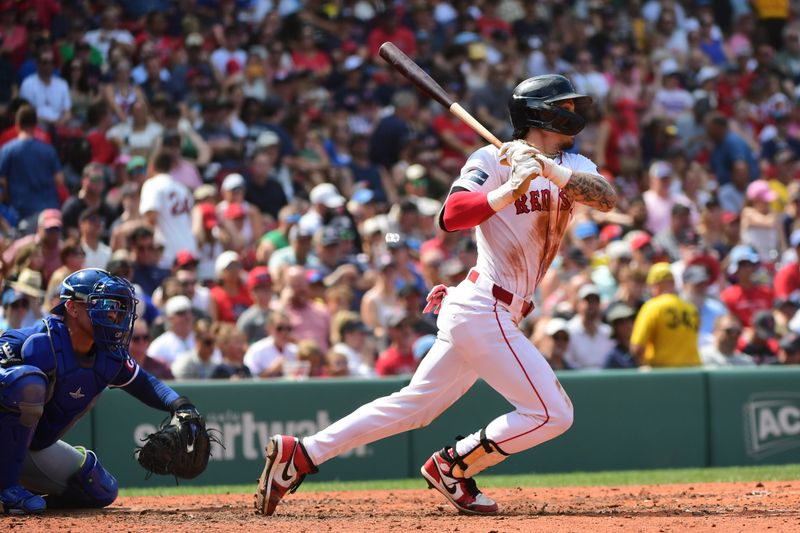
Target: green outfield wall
column 623, row 420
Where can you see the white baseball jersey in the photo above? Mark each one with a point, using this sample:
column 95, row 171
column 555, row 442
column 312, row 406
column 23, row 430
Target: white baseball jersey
column 173, row 202
column 517, row 244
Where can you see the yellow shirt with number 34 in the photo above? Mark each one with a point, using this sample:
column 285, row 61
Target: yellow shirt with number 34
column 667, row 326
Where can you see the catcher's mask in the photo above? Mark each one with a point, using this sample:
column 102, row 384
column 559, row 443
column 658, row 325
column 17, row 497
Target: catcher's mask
column 110, row 304
column 531, row 105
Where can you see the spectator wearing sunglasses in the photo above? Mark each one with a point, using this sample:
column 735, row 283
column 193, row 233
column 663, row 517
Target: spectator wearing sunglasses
column 266, row 357
column 15, row 307
column 198, row 363
column 140, row 341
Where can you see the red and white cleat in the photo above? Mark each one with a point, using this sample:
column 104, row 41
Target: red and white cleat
column 286, row 467
column 462, row 492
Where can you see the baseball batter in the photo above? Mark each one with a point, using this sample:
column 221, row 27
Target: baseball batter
column 520, row 199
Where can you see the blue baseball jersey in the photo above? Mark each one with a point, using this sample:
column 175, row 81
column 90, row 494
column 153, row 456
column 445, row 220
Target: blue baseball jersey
column 73, row 388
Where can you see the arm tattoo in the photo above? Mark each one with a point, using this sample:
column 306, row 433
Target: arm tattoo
column 592, row 190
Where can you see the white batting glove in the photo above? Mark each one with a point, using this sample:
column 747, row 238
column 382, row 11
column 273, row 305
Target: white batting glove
column 514, row 151
column 556, row 173
column 522, row 172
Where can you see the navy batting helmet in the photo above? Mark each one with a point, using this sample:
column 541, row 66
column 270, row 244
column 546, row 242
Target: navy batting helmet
column 530, row 105
column 110, row 303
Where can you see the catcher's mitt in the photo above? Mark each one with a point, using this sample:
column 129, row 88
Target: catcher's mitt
column 181, row 447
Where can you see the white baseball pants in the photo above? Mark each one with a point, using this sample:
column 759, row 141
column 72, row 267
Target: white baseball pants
column 477, row 337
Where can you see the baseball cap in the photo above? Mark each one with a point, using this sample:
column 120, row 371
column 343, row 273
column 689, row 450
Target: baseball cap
column 184, row 258
column 177, row 304
column 428, row 207
column 728, row 217
column 618, row 250
column 640, row 240
column 620, row 311
column 314, row 275
column 422, row 346
column 327, row 195
column 761, row 191
column 352, row 325
column 586, row 229
column 660, row 169
column 50, row 218
column 12, row 295
column 415, row 172
column 741, row 254
column 395, row 240
column 204, row 192
column 707, row 73
column 554, row 325
column 258, row 277
column 234, row 210
column 194, row 39
column 669, row 67
column 299, row 232
column 764, row 324
column 611, row 232
column 588, row 289
column 327, row 236
column 225, row 260
column 136, row 162
column 233, row 181
column 267, row 138
column 695, row 274
column 363, row 196
column 659, row 272
column 353, row 62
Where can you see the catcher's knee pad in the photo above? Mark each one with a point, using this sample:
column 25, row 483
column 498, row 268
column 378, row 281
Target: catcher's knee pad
column 90, row 486
column 23, row 390
column 487, row 453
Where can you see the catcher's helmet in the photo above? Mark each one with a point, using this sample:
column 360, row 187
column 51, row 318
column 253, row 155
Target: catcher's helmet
column 530, row 105
column 110, row 303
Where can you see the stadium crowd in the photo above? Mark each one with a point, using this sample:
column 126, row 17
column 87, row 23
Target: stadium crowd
column 272, row 187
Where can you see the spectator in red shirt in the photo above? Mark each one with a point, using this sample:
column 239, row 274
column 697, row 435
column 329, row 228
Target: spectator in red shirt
column 230, row 298
column 12, row 132
column 745, row 297
column 100, row 119
column 787, row 279
column 398, row 358
column 388, row 29
column 308, row 57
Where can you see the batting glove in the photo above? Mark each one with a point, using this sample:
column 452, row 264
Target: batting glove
column 522, row 172
column 435, row 298
column 556, row 173
column 515, row 150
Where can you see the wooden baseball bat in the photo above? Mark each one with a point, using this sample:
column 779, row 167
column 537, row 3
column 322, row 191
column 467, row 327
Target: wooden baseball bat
column 406, row 66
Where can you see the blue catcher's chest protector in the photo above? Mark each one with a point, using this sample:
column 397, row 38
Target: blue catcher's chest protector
column 73, row 389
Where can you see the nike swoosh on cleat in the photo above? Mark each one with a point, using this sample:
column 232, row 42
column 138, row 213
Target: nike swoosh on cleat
column 285, row 474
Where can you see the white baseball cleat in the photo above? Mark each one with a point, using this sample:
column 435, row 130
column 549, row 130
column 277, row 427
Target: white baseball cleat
column 286, row 467
column 462, row 492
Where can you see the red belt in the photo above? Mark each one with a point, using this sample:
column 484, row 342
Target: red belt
column 501, row 294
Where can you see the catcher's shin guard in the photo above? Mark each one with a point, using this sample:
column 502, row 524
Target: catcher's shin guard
column 285, row 469
column 92, row 486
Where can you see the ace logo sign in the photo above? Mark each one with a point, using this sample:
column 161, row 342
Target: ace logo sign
column 771, row 423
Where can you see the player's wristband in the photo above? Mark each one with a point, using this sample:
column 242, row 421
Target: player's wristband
column 559, row 175
column 500, row 197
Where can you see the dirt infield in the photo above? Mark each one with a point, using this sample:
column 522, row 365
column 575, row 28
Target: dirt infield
column 718, row 507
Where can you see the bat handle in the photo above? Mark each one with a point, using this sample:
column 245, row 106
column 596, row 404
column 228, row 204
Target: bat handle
column 473, row 123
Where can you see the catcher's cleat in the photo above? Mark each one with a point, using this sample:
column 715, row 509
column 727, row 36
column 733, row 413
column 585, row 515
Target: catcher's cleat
column 19, row 500
column 462, row 492
column 286, row 467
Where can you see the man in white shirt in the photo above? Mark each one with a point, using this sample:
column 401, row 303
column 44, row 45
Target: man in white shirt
column 179, row 337
column 589, row 339
column 90, row 224
column 109, row 33
column 265, row 358
column 47, row 92
column 166, row 206
column 231, row 51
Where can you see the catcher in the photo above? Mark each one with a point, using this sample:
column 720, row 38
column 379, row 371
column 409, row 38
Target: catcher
column 50, row 376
